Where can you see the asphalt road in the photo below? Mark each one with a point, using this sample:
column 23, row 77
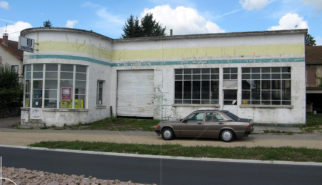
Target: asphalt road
column 160, row 171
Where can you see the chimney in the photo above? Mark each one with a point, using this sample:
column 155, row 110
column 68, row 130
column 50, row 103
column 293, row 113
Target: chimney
column 171, row 32
column 5, row 39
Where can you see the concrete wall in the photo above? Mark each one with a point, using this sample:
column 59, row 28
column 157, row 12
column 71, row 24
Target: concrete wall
column 104, row 57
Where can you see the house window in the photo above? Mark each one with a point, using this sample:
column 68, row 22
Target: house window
column 266, row 85
column 53, row 82
column 230, row 73
column 99, row 96
column 15, row 68
column 230, row 97
column 197, row 86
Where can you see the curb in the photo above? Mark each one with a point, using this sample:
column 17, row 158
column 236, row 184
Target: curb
column 161, row 157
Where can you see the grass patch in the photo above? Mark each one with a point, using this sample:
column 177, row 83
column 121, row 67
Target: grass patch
column 259, row 153
column 313, row 123
column 118, row 124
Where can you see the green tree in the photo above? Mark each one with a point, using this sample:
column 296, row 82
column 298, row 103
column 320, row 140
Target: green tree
column 47, row 24
column 309, row 40
column 132, row 28
column 147, row 27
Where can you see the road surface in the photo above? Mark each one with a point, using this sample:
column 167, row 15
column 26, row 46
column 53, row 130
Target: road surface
column 160, row 171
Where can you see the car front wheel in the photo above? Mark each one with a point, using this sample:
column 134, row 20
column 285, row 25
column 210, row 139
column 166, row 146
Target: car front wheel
column 227, row 135
column 167, row 134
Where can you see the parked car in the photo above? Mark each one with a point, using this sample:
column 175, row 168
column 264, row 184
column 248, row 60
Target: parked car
column 219, row 124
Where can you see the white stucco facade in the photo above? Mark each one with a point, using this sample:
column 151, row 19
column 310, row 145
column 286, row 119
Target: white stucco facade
column 105, row 58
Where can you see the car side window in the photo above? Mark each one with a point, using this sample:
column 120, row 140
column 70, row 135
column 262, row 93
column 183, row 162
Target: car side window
column 197, row 117
column 211, row 116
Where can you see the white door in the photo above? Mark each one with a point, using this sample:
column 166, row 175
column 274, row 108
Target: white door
column 135, row 93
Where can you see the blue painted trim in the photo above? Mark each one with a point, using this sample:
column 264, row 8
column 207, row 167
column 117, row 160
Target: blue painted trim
column 70, row 57
column 160, row 63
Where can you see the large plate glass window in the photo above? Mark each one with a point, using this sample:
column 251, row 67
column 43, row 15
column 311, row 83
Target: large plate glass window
column 197, row 86
column 266, row 85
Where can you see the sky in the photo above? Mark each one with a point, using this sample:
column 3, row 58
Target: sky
column 108, row 17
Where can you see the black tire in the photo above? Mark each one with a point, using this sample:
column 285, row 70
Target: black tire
column 167, row 134
column 227, row 135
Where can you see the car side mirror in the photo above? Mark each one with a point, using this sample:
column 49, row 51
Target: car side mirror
column 183, row 120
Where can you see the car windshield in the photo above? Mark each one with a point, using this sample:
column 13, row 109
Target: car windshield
column 232, row 116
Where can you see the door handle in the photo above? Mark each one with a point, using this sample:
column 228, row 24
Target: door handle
column 199, row 123
column 220, row 123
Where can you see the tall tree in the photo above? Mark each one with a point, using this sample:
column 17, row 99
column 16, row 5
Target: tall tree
column 146, row 28
column 309, row 40
column 47, row 24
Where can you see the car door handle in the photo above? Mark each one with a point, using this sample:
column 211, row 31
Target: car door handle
column 199, row 123
column 220, row 123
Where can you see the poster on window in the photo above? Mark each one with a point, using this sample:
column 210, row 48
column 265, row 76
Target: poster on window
column 66, row 93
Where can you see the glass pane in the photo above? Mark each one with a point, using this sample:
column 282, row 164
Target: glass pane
column 266, row 95
column 205, row 90
column 255, row 76
column 246, row 76
column 50, row 103
column 178, row 77
column 233, row 76
column 80, row 84
column 266, row 84
column 80, row 76
column 205, row 70
column 196, row 77
column 205, row 77
column 196, row 101
column 230, row 97
column 266, row 69
column 214, row 77
column 226, row 76
column 276, row 76
column 37, row 75
column 80, row 91
column 276, row 84
column 246, row 84
column 196, row 90
column 64, row 75
column 51, row 67
column 79, row 101
column 196, row 71
column 66, row 83
column 187, row 71
column 286, row 76
column 37, row 84
column 51, row 84
column 226, row 70
column 246, row 95
column 214, row 70
column 266, row 76
column 245, row 70
column 187, row 90
column 38, row 67
column 178, row 90
column 178, row 71
column 286, row 69
column 233, row 70
column 255, row 69
column 67, row 67
column 178, row 101
column 81, row 69
column 52, row 94
column 187, row 77
column 51, row 75
column 276, row 69
column 276, row 95
column 214, row 90
column 28, row 67
column 28, row 75
column 36, row 103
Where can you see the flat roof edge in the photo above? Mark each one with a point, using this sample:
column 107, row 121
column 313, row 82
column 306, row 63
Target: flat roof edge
column 174, row 37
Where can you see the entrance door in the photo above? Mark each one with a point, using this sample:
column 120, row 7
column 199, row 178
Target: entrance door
column 230, row 100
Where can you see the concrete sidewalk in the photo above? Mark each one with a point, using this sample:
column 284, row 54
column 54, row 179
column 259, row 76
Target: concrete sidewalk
column 25, row 137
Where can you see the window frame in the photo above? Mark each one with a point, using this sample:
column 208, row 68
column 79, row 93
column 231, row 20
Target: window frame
column 100, row 99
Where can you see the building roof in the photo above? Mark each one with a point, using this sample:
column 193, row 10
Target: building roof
column 313, row 54
column 12, row 48
column 157, row 38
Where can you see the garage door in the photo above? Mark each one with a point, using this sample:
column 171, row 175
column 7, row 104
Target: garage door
column 135, row 92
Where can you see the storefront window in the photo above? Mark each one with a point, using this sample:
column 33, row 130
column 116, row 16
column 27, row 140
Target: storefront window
column 56, row 82
column 197, row 86
column 266, row 85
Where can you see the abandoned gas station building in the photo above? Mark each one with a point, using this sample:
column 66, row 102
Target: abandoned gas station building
column 78, row 76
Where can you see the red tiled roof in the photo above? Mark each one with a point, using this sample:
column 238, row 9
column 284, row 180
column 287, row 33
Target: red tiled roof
column 13, row 49
column 313, row 54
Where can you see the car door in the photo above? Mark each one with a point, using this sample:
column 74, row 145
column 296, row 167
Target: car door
column 192, row 126
column 214, row 121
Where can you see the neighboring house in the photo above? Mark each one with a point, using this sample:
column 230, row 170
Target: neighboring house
column 313, row 59
column 10, row 55
column 80, row 76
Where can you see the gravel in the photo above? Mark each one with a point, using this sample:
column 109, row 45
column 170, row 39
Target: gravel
column 22, row 176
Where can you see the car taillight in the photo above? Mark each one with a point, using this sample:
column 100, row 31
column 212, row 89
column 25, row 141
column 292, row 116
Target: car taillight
column 248, row 127
column 158, row 126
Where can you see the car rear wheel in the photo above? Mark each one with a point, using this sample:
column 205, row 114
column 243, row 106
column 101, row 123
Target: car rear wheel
column 227, row 135
column 167, row 134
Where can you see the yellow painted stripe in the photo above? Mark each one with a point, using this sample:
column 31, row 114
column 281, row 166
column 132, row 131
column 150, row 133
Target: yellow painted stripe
column 174, row 53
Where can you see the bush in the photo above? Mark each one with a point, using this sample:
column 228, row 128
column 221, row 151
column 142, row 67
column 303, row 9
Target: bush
column 11, row 93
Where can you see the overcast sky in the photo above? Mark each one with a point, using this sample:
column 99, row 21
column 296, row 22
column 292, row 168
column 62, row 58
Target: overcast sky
column 107, row 17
